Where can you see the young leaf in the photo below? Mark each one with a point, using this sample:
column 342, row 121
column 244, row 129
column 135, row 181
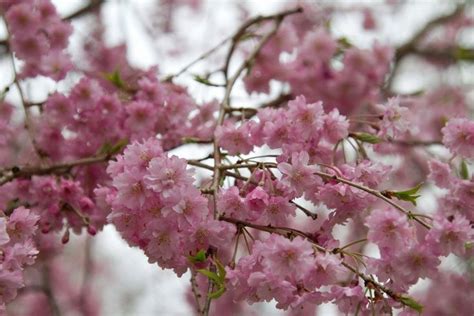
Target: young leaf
column 463, row 53
column 366, row 138
column 115, row 79
column 218, row 293
column 202, row 80
column 220, row 271
column 409, row 195
column 211, row 275
column 112, row 149
column 410, row 302
column 199, row 257
column 344, row 42
column 118, row 146
column 464, row 170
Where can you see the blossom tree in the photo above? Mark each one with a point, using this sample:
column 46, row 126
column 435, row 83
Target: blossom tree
column 308, row 198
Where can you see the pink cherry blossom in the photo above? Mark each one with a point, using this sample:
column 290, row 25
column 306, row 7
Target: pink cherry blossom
column 458, row 136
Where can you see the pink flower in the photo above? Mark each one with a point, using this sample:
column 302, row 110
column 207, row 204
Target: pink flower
column 22, row 20
column 390, row 230
column 22, row 224
column 335, row 126
column 10, row 282
column 440, row 173
column 234, row 139
column 141, row 118
column 325, row 271
column 307, row 119
column 232, row 204
column 349, row 299
column 59, row 106
column 131, row 189
column 395, row 119
column 56, row 65
column 288, row 258
column 139, row 154
column 58, row 34
column 277, row 211
column 318, row 46
column 189, row 203
column 371, row 173
column 417, row 261
column 20, row 254
column 166, row 174
column 458, row 136
column 256, row 201
column 299, row 175
column 450, row 235
column 30, row 47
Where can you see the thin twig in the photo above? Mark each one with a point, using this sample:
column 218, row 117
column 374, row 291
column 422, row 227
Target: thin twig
column 26, row 171
column 375, row 193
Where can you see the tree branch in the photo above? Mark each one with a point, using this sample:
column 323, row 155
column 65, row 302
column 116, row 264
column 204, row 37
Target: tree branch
column 27, row 171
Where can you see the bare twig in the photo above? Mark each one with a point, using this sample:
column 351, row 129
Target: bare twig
column 27, row 171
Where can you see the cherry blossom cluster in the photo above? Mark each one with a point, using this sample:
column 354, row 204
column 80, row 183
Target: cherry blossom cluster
column 155, row 108
column 156, row 207
column 312, row 72
column 59, row 203
column 17, row 250
column 288, row 271
column 39, row 37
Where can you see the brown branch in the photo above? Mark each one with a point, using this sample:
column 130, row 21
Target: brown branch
column 409, row 46
column 225, row 104
column 27, row 171
column 373, row 192
column 195, row 290
column 415, row 143
column 291, row 232
column 242, row 31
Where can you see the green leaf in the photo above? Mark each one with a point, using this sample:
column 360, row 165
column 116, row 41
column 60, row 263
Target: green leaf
column 464, row 53
column 344, row 42
column 115, row 79
column 409, row 195
column 464, row 170
column 366, row 138
column 211, row 275
column 202, row 80
column 118, row 146
column 246, row 36
column 218, row 293
column 109, row 149
column 410, row 302
column 220, row 271
column 199, row 257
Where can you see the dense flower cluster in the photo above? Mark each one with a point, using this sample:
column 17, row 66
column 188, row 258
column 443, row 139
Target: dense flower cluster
column 312, row 72
column 286, row 270
column 17, row 250
column 39, row 37
column 156, row 207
